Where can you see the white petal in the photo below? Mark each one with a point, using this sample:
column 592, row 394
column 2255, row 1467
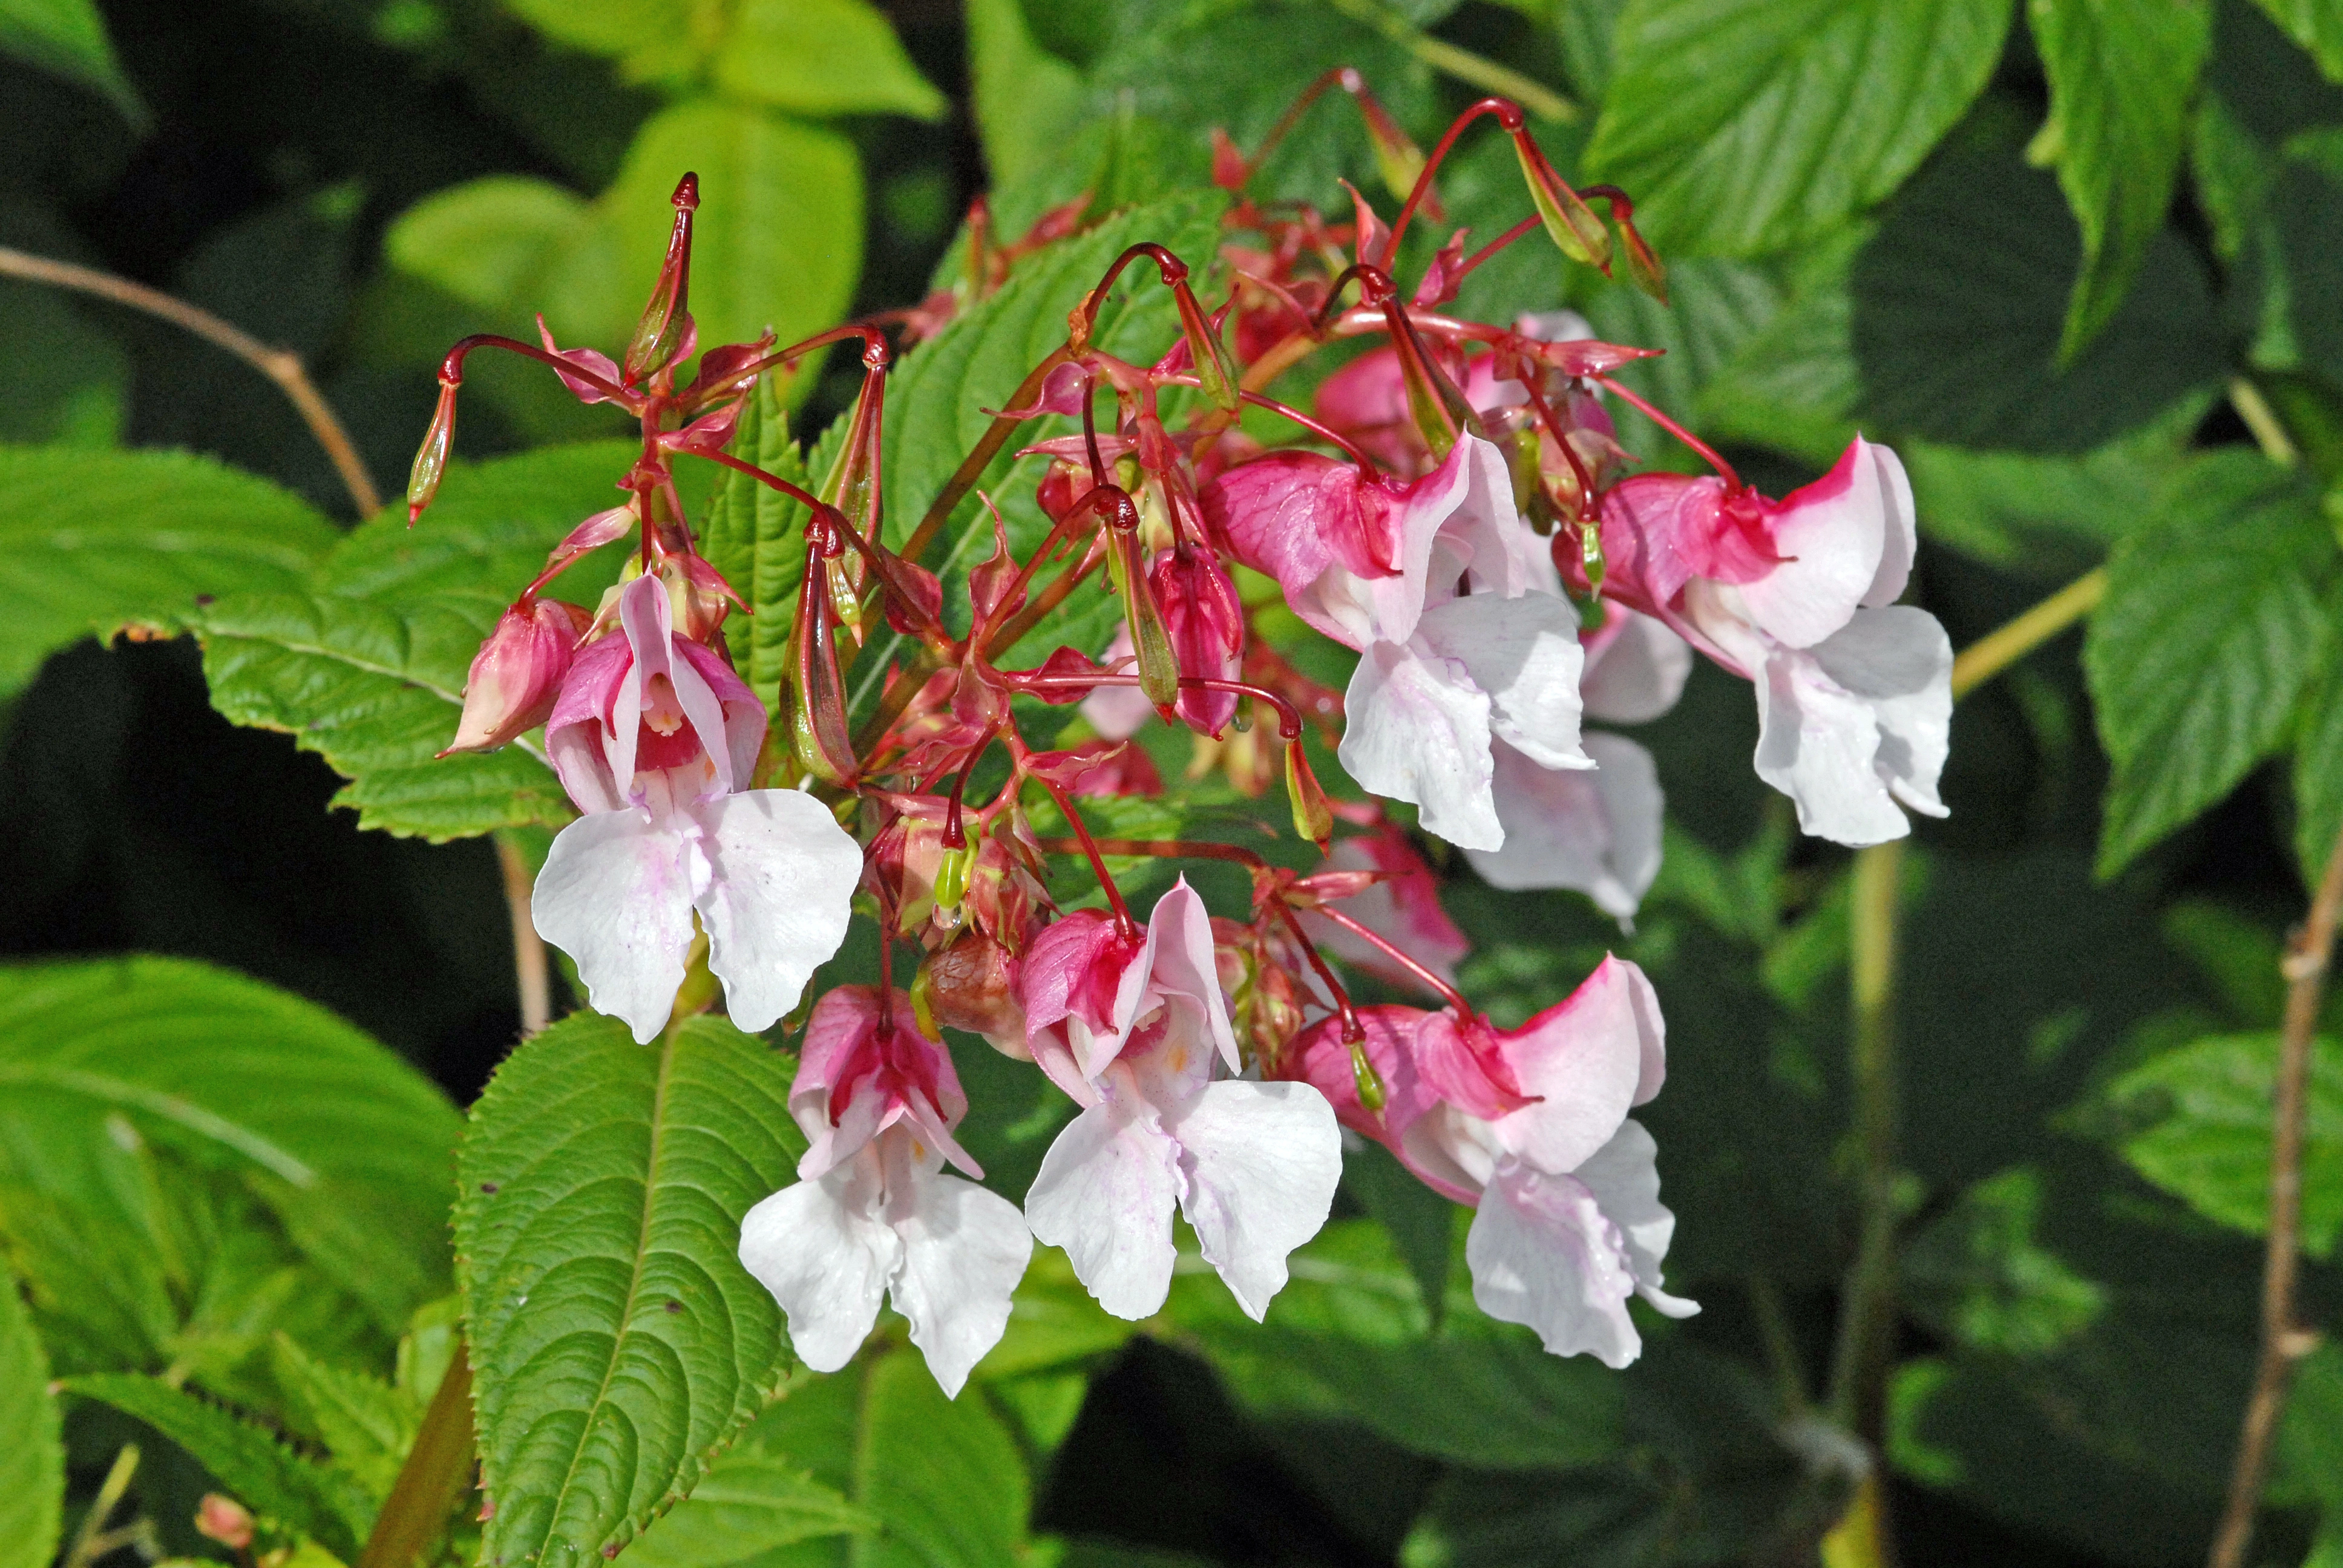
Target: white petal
column 1835, row 533
column 1639, row 674
column 1624, row 1177
column 1901, row 541
column 1262, row 1160
column 1598, row 833
column 1542, row 1254
column 776, row 905
column 1417, row 729
column 616, row 895
column 1105, row 1194
column 1485, row 538
column 964, row 1249
column 1525, row 653
column 1842, row 725
column 824, row 1252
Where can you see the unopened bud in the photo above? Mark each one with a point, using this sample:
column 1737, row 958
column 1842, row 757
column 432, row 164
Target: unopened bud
column 1397, row 158
column 1159, row 664
column 1569, row 221
column 971, row 986
column 517, row 674
column 224, row 1520
column 667, row 318
column 1313, row 814
column 1364, row 1076
column 1643, row 263
column 1215, row 372
column 1061, row 485
column 431, row 457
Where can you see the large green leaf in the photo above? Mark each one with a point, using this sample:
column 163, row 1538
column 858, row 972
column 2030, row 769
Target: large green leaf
column 69, row 38
column 318, row 1500
column 2316, row 25
column 32, row 1462
column 752, row 1501
column 101, row 540
column 2121, row 75
column 618, row 1344
column 1746, row 126
column 346, row 1142
column 489, row 242
column 822, row 57
column 365, row 662
column 2211, row 627
column 1025, row 100
column 1960, row 305
column 2207, row 1138
column 366, row 1424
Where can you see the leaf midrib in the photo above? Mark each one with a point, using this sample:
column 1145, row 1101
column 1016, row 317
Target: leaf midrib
column 173, row 1107
column 667, row 1041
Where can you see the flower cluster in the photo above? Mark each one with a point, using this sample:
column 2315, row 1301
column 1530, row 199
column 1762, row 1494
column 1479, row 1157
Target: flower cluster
column 1456, row 510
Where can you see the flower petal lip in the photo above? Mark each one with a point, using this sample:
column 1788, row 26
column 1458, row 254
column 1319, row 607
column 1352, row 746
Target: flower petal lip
column 616, row 895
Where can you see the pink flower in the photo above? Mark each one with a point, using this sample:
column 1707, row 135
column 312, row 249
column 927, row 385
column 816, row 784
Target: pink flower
column 872, row 1213
column 1133, row 1031
column 1205, row 621
column 1403, row 907
column 654, row 738
column 1441, row 674
column 517, row 674
column 1854, row 691
column 1530, row 1127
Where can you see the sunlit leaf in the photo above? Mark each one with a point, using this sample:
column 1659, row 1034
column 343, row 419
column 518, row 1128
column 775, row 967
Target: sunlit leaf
column 32, row 1462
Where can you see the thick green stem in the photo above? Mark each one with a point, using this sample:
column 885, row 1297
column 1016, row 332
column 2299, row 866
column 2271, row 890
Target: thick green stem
column 1867, row 1318
column 438, row 1472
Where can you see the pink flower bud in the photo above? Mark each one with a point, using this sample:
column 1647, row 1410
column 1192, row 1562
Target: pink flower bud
column 224, row 1520
column 431, row 457
column 1205, row 621
column 517, row 674
column 971, row 986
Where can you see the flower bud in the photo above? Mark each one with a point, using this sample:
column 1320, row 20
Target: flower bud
column 1061, row 485
column 224, row 1520
column 431, row 457
column 971, row 986
column 517, row 674
column 1313, row 815
column 1204, row 619
column 665, row 320
column 1215, row 373
column 1569, row 222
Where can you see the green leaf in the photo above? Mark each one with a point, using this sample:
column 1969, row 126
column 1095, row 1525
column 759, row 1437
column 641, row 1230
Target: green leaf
column 618, row 1344
column 756, row 534
column 943, row 1476
column 2121, row 77
column 319, row 1501
column 751, row 1502
column 1025, row 99
column 2311, row 1443
column 1977, row 1275
column 68, row 37
column 2316, row 25
column 1747, row 125
column 822, row 57
column 2207, row 1138
column 346, row 1143
column 2210, row 628
column 2319, row 775
column 32, row 1461
column 1960, row 305
column 1794, row 384
column 778, row 239
column 103, row 540
column 366, row 1424
column 491, row 242
column 365, row 662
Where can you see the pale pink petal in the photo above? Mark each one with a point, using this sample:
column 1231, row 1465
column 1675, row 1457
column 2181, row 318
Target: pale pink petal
column 1404, row 909
column 1543, row 1254
column 1117, row 712
column 1179, row 961
column 1833, row 536
column 822, row 1249
column 1624, row 1177
column 744, row 717
column 616, row 895
column 1597, row 833
column 1848, row 729
column 1105, row 1194
column 1525, row 653
column 776, row 904
column 577, row 738
column 1483, row 537
column 1262, row 1161
column 1416, row 729
column 964, row 1249
column 1902, row 541
column 1635, row 669
column 1583, row 1058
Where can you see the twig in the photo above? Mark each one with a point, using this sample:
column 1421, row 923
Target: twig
column 281, row 365
column 529, row 967
column 1996, row 652
column 2285, row 1341
column 2262, row 420
column 1472, row 70
column 1867, row 1323
column 109, row 1497
column 433, row 1476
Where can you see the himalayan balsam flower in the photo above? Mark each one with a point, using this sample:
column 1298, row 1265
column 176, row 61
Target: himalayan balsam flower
column 872, row 1213
column 1854, row 691
column 654, row 736
column 1530, row 1127
column 1131, row 1030
column 1441, row 676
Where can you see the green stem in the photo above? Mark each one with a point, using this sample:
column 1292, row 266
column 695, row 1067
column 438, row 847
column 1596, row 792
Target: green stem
column 1867, row 1319
column 109, row 1498
column 437, row 1472
column 1472, row 70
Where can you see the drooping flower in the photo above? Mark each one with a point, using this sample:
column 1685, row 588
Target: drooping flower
column 1378, row 567
column 1530, row 1127
column 1798, row 596
column 654, row 736
column 872, row 1213
column 1133, row 1029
